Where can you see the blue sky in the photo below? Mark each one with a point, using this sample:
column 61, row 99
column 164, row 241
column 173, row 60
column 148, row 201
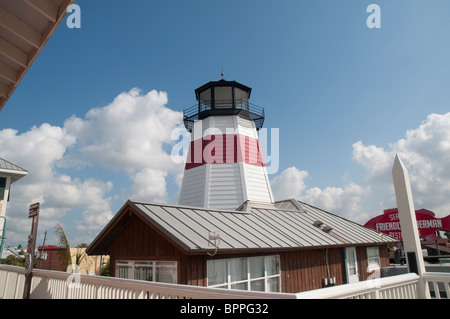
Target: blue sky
column 343, row 96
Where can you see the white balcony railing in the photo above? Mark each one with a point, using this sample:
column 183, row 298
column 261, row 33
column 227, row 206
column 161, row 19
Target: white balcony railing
column 48, row 284
column 439, row 284
column 395, row 287
column 61, row 285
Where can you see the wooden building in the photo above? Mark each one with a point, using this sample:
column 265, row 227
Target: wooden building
column 289, row 246
column 49, row 258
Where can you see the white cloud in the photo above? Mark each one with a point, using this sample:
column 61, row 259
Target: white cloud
column 374, row 159
column 289, row 184
column 343, row 201
column 149, row 185
column 425, row 152
column 36, row 150
column 131, row 134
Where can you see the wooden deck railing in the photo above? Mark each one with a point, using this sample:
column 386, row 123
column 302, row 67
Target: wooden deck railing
column 61, row 285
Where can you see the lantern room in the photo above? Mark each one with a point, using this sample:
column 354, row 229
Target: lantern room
column 223, row 95
column 221, row 98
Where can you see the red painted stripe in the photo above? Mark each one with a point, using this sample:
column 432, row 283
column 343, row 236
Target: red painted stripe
column 224, row 149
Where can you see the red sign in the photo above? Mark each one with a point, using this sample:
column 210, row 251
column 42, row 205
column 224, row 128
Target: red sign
column 389, row 223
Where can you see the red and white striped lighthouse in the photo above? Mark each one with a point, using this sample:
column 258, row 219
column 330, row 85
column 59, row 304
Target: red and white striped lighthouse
column 224, row 166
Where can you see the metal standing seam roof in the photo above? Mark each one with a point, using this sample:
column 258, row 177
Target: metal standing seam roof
column 15, row 171
column 255, row 229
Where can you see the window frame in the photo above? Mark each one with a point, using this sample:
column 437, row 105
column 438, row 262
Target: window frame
column 249, row 280
column 132, row 266
column 371, row 257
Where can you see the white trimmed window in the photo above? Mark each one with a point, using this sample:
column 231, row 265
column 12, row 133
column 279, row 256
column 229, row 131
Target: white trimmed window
column 249, row 273
column 373, row 258
column 157, row 271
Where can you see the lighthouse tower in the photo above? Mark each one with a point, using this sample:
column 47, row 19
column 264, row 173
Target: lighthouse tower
column 224, row 167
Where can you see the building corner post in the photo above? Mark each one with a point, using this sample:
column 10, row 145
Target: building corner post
column 408, row 222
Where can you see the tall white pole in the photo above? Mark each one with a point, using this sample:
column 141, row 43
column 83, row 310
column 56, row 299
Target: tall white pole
column 408, row 222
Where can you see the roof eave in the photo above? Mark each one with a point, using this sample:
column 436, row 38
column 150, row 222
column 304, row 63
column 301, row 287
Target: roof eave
column 6, row 90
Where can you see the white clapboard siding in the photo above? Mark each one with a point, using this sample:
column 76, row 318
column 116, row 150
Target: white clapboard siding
column 193, row 187
column 226, row 185
column 257, row 183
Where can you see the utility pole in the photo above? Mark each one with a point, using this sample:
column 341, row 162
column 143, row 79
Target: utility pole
column 32, row 213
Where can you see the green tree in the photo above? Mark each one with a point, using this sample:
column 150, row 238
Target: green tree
column 105, row 269
column 64, row 246
column 14, row 261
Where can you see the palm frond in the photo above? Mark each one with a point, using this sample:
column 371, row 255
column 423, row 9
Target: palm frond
column 64, row 247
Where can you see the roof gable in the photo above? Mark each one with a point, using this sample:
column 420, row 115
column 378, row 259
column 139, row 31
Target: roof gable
column 14, row 170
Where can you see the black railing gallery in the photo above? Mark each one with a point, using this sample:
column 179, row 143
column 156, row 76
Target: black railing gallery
column 204, row 109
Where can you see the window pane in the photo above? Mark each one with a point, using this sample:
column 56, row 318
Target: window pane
column 248, row 273
column 374, row 263
column 256, row 267
column 166, row 272
column 223, row 96
column 124, row 269
column 122, row 272
column 273, row 265
column 372, row 252
column 143, row 270
column 240, row 286
column 351, row 262
column 217, row 271
column 257, row 285
column 205, row 99
column 273, row 284
column 2, row 187
column 238, row 269
column 240, row 95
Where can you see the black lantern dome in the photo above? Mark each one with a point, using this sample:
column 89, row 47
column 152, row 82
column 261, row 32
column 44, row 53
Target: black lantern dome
column 222, row 98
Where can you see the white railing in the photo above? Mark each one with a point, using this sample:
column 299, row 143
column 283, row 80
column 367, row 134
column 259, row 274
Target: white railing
column 61, row 285
column 395, row 287
column 12, row 280
column 48, row 284
column 438, row 283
